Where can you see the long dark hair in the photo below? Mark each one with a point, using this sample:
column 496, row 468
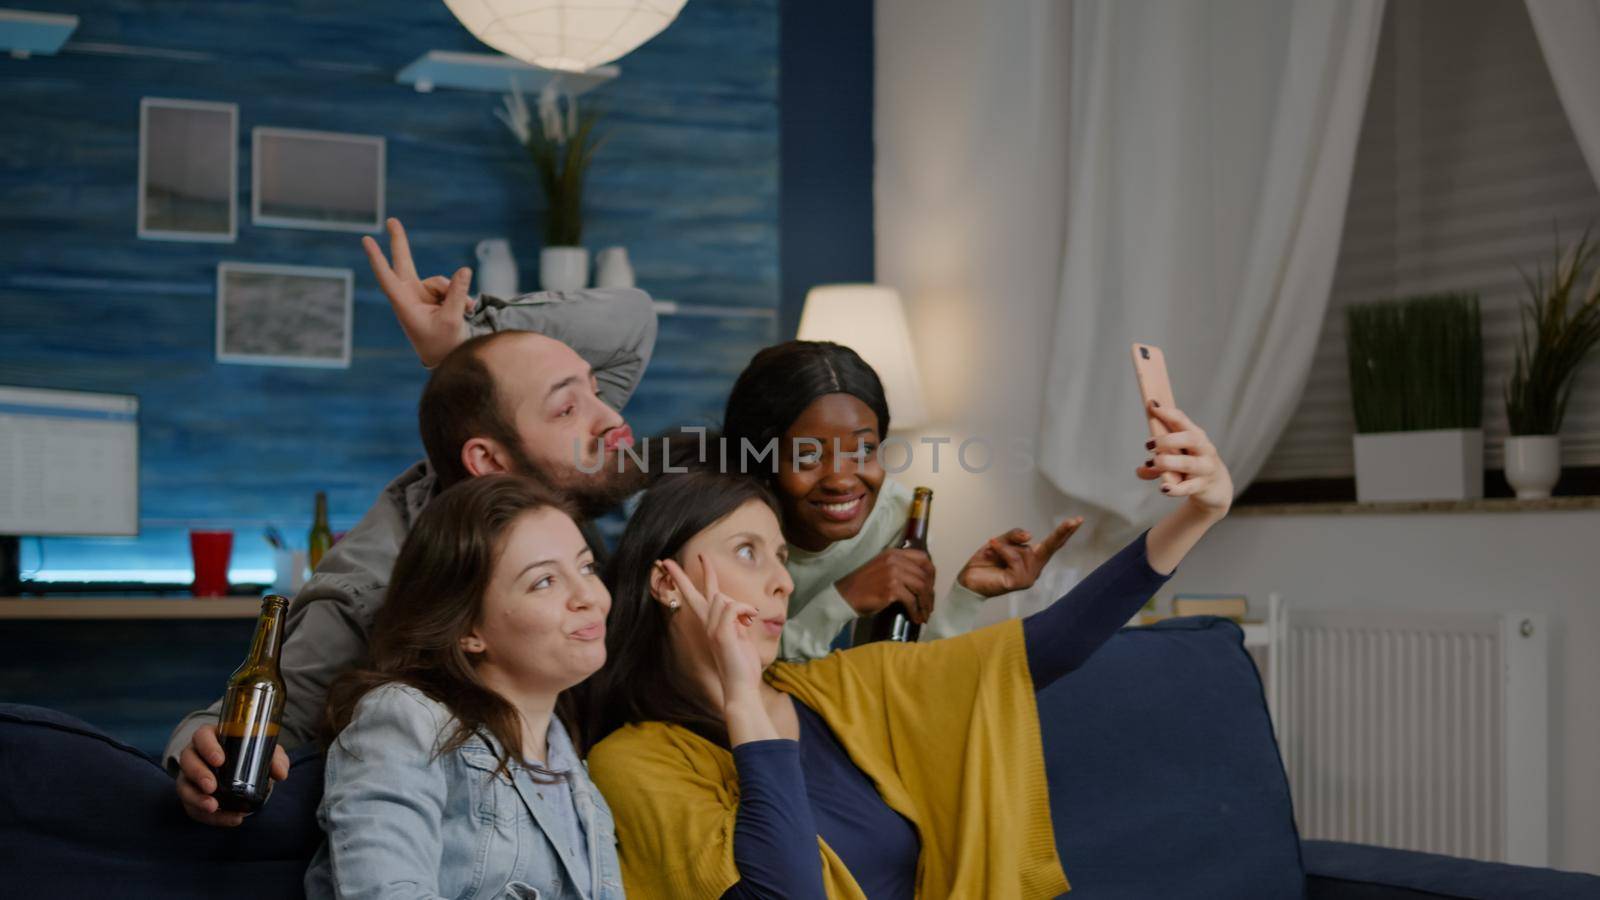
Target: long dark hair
column 435, row 597
column 643, row 680
column 784, row 379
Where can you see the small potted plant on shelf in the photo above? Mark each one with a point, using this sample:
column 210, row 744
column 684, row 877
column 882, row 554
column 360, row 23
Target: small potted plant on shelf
column 561, row 149
column 1560, row 326
column 1416, row 380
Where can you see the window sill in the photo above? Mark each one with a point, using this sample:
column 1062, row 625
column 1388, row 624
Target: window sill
column 1488, row 505
column 1579, row 488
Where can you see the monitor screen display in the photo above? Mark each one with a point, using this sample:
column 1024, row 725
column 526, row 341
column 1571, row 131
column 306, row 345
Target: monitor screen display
column 69, row 463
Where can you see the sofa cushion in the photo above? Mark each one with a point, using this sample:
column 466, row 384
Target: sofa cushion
column 1165, row 778
column 1341, row 871
column 82, row 814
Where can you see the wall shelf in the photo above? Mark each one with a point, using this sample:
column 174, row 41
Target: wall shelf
column 129, row 608
column 24, row 33
column 713, row 311
column 494, row 72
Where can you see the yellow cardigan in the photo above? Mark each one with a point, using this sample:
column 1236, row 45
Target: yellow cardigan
column 947, row 730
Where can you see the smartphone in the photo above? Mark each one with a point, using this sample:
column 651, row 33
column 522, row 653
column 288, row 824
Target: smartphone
column 1150, row 366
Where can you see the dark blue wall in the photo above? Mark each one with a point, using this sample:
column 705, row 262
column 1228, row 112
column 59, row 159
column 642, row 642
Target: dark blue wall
column 689, row 182
column 825, row 104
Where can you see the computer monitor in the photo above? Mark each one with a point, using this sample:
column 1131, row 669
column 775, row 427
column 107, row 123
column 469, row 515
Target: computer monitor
column 69, row 466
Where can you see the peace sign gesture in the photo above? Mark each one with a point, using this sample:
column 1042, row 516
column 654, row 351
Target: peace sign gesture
column 1010, row 562
column 431, row 311
column 728, row 624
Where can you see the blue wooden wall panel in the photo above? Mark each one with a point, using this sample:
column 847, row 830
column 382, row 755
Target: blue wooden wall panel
column 688, row 182
column 826, row 104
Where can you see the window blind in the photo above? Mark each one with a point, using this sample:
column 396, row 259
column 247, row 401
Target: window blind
column 1466, row 168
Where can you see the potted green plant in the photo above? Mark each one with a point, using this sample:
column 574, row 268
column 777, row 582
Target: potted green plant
column 1560, row 326
column 1416, row 381
column 561, row 149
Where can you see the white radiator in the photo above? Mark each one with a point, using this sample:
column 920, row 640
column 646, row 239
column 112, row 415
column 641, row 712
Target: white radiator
column 1419, row 731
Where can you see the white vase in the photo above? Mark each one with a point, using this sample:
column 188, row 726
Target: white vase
column 497, row 268
column 1533, row 464
column 612, row 269
column 1445, row 464
column 563, row 268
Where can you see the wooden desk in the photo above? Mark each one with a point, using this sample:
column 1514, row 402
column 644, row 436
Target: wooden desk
column 129, row 607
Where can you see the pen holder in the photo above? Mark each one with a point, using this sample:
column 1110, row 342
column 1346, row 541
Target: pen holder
column 289, row 571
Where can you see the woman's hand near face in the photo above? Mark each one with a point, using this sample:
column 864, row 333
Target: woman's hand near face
column 1010, row 562
column 729, row 626
column 893, row 575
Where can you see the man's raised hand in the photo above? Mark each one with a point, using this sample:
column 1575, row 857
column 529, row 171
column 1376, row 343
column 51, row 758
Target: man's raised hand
column 432, row 311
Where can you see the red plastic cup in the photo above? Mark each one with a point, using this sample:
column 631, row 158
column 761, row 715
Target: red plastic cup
column 211, row 551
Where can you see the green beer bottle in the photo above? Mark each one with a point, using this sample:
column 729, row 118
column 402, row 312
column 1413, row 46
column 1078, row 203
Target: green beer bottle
column 321, row 537
column 894, row 622
column 251, row 711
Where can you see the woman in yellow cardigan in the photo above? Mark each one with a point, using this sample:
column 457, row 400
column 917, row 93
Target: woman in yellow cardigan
column 889, row 770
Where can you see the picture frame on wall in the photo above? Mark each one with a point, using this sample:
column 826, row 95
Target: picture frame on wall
column 318, row 180
column 188, row 170
column 274, row 315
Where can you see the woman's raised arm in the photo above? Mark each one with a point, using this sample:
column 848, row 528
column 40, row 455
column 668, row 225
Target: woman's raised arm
column 1061, row 637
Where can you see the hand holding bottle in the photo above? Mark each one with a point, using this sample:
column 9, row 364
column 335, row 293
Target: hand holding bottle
column 224, row 777
column 197, row 780
column 911, row 605
column 895, row 575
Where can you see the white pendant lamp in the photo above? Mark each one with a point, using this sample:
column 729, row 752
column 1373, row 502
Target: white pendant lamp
column 570, row 35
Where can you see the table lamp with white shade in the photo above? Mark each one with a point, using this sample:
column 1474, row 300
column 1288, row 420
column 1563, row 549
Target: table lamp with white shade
column 869, row 319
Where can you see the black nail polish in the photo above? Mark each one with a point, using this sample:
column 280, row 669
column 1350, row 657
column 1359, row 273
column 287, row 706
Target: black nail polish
column 1165, row 489
column 1155, row 402
column 1149, row 445
column 1148, row 463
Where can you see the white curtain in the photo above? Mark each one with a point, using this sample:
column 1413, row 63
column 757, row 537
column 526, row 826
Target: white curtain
column 970, row 134
column 1210, row 153
column 1569, row 34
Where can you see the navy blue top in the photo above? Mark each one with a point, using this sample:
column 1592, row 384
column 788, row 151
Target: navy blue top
column 774, row 834
column 793, row 791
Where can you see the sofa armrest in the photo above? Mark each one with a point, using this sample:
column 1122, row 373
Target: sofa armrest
column 85, row 815
column 1341, row 871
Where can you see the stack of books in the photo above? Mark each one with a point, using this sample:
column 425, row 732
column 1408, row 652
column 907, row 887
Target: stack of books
column 1225, row 606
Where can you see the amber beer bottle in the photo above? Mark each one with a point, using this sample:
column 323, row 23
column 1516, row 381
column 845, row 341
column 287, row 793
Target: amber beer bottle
column 894, row 622
column 251, row 711
column 321, row 537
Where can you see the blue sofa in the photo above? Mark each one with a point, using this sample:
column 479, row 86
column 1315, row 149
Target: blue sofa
column 1164, row 777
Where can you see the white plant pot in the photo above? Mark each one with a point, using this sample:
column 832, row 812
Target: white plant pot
column 1419, row 465
column 1533, row 464
column 612, row 269
column 563, row 268
column 497, row 268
